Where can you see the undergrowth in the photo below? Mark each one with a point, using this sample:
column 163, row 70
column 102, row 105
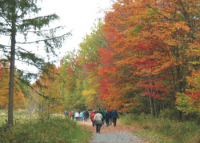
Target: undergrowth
column 57, row 129
column 163, row 130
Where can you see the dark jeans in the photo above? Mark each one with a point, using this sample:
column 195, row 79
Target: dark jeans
column 111, row 120
column 98, row 128
column 107, row 122
column 93, row 123
column 114, row 121
column 86, row 119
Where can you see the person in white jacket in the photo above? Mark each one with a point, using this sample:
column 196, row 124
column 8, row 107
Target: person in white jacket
column 77, row 115
column 98, row 121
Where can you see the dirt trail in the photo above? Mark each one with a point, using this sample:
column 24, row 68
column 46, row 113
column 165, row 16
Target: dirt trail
column 111, row 134
column 110, row 129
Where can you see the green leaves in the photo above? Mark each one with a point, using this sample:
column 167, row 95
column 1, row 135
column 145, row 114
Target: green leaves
column 137, row 29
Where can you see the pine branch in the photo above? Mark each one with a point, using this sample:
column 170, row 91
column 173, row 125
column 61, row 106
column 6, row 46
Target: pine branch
column 45, row 40
column 46, row 97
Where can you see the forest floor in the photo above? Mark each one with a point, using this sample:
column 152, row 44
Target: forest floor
column 111, row 134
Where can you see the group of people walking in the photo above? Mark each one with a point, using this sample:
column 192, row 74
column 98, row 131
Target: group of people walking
column 78, row 116
column 98, row 117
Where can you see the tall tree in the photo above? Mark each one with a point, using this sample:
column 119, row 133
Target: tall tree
column 17, row 20
column 90, row 60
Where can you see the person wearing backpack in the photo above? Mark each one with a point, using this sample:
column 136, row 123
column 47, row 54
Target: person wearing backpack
column 98, row 121
column 92, row 118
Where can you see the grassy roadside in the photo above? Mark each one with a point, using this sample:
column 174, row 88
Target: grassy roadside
column 57, row 129
column 160, row 130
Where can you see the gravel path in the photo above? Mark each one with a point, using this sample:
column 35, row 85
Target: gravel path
column 118, row 134
column 116, row 138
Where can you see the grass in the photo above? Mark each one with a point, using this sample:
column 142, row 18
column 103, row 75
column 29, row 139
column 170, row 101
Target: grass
column 163, row 130
column 20, row 116
column 57, row 129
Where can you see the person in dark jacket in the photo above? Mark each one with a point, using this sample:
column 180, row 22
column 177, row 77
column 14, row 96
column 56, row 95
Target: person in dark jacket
column 66, row 113
column 110, row 122
column 86, row 116
column 114, row 115
column 107, row 117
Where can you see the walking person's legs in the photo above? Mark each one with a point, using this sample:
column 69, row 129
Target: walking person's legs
column 107, row 122
column 93, row 123
column 97, row 126
column 114, row 121
column 100, row 127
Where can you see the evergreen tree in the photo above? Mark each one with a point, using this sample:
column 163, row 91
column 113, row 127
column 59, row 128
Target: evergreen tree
column 18, row 18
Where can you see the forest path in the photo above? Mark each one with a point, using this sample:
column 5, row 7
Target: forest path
column 111, row 134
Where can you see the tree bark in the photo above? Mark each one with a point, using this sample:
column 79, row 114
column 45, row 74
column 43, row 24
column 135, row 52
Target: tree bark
column 12, row 68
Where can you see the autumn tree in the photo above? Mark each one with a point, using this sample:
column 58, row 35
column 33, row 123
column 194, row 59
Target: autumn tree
column 49, row 86
column 89, row 58
column 19, row 98
column 73, row 76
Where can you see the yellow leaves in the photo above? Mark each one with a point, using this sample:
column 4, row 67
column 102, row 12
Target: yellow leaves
column 89, row 92
column 90, row 99
column 186, row 104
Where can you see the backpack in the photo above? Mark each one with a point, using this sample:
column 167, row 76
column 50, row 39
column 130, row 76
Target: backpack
column 103, row 112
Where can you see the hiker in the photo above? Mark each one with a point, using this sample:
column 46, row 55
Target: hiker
column 81, row 116
column 98, row 121
column 70, row 115
column 92, row 118
column 110, row 121
column 77, row 115
column 114, row 115
column 86, row 116
column 74, row 115
column 103, row 113
column 66, row 113
column 107, row 118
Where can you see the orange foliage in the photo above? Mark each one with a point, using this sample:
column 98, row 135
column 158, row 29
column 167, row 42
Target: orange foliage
column 151, row 41
column 19, row 99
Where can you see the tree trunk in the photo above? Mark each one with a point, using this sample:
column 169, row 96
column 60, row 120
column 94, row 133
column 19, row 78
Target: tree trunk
column 12, row 68
column 151, row 105
column 154, row 102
